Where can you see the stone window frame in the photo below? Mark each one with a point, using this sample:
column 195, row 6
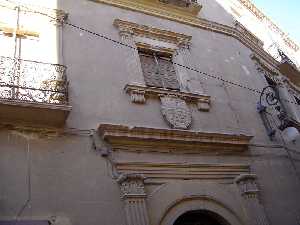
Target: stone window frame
column 165, row 42
column 159, row 54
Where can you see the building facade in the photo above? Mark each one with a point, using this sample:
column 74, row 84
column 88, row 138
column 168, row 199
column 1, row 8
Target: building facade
column 146, row 112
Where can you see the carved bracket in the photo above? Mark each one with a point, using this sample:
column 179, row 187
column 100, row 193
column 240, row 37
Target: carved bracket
column 139, row 94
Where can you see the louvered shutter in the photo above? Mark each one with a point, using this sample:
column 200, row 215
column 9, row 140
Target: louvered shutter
column 168, row 74
column 150, row 71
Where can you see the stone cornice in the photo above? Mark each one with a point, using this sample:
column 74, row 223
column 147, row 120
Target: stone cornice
column 154, row 33
column 122, row 137
column 183, row 170
column 66, row 108
column 242, row 35
column 272, row 68
column 261, row 16
column 275, row 72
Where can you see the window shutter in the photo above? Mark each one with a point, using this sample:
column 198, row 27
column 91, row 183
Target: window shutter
column 150, row 71
column 168, row 74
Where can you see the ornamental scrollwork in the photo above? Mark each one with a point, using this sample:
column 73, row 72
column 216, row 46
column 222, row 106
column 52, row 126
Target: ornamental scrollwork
column 30, row 81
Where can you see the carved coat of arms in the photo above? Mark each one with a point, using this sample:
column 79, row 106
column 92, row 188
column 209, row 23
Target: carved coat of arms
column 176, row 112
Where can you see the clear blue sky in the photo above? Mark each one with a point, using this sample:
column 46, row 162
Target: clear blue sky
column 285, row 13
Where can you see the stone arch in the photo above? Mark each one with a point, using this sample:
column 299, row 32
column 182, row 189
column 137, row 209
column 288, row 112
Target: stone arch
column 177, row 197
column 194, row 203
column 197, row 217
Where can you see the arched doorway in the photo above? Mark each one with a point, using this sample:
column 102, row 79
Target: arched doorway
column 200, row 217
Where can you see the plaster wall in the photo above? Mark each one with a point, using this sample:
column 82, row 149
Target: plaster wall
column 73, row 182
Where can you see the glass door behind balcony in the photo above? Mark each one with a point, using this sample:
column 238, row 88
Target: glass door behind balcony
column 27, row 39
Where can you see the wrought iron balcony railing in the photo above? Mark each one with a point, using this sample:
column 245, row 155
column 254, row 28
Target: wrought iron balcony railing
column 30, row 81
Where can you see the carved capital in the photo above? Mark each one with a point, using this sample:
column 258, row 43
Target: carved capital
column 247, row 185
column 132, row 186
column 137, row 96
column 59, row 17
column 203, row 106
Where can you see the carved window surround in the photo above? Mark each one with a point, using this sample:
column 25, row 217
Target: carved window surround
column 122, row 137
column 182, row 171
column 139, row 95
column 135, row 29
column 174, row 106
column 253, row 44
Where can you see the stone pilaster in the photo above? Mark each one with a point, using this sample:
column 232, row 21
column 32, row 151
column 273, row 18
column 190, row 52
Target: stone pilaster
column 250, row 192
column 131, row 57
column 134, row 196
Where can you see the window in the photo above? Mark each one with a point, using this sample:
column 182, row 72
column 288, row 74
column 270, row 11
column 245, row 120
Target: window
column 158, row 70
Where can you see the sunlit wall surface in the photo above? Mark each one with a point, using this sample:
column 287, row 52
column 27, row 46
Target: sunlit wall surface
column 30, row 37
column 262, row 29
column 26, row 33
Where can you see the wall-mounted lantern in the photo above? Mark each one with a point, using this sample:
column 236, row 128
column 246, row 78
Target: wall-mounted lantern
column 270, row 98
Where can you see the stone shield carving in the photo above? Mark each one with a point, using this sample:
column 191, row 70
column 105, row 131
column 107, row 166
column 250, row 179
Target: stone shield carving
column 176, row 112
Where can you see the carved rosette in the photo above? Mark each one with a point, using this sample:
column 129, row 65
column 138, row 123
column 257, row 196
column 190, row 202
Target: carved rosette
column 176, row 112
column 132, row 186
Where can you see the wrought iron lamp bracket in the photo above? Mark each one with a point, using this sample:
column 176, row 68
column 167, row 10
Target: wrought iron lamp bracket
column 269, row 97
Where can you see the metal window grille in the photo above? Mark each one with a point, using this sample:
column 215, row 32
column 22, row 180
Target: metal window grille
column 159, row 71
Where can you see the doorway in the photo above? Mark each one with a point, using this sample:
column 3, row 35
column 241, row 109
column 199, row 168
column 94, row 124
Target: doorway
column 200, row 217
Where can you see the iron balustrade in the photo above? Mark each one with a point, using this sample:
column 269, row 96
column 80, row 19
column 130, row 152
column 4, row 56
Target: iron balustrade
column 31, row 81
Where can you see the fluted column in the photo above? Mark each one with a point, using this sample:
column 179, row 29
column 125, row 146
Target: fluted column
column 134, row 197
column 249, row 190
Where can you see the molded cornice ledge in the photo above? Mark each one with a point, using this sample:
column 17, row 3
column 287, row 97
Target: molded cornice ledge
column 140, row 93
column 122, row 137
column 154, row 33
column 164, row 11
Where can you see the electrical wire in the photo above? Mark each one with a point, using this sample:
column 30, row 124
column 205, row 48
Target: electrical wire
column 135, row 48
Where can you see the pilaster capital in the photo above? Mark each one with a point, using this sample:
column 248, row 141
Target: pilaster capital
column 247, row 185
column 132, row 186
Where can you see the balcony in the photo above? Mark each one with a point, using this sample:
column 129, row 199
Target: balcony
column 289, row 69
column 33, row 93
